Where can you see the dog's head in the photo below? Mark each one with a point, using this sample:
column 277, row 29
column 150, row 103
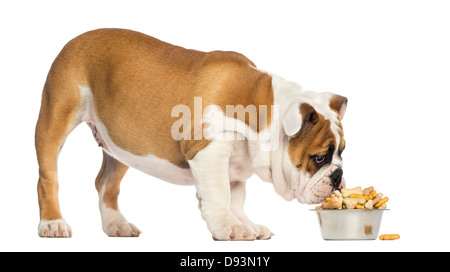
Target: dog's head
column 312, row 162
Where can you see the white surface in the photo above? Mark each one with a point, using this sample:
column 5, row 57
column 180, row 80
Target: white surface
column 390, row 58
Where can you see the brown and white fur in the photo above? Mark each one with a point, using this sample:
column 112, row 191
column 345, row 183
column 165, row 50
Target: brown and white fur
column 124, row 85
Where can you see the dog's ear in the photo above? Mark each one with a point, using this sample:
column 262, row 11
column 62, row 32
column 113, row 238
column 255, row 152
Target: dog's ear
column 339, row 104
column 297, row 116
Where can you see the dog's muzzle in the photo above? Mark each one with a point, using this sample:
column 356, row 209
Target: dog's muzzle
column 336, row 178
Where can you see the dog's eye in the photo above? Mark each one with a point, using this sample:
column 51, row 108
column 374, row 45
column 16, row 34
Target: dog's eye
column 319, row 159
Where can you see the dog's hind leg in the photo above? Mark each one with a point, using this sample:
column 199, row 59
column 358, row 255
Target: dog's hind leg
column 108, row 187
column 60, row 113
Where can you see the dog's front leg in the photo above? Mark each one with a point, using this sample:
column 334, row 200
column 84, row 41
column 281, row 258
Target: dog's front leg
column 210, row 170
column 237, row 208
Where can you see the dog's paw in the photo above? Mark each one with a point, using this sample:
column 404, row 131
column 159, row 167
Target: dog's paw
column 263, row 233
column 122, row 229
column 236, row 232
column 54, row 229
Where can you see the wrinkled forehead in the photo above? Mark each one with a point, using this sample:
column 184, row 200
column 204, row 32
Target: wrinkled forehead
column 323, row 108
column 321, row 134
column 337, row 129
column 317, row 135
column 338, row 132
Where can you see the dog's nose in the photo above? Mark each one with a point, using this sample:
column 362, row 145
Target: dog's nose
column 336, row 178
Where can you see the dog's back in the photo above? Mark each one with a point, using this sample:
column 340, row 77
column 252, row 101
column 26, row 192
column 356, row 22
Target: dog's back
column 116, row 64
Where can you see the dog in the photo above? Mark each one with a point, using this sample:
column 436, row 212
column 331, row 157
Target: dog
column 131, row 90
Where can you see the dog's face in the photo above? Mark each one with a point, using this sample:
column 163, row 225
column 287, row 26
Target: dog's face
column 312, row 158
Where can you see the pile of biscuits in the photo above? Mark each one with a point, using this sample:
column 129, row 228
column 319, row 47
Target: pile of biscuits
column 355, row 198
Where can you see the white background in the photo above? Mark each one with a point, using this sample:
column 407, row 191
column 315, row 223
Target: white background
column 390, row 58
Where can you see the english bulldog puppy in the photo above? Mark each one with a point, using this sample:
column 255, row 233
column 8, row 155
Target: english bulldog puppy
column 208, row 119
